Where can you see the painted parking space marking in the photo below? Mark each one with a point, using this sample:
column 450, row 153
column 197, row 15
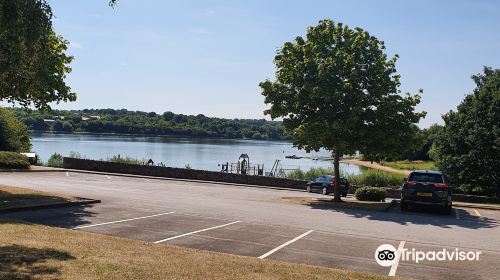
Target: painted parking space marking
column 476, row 212
column 394, row 267
column 284, row 245
column 121, row 221
column 67, row 174
column 197, row 231
column 109, row 178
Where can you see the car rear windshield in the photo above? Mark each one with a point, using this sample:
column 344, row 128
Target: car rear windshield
column 426, row 177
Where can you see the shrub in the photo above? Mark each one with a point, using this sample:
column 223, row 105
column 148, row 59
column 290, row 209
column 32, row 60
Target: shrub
column 296, row 174
column 376, row 178
column 12, row 160
column 129, row 160
column 370, row 194
column 14, row 135
column 55, row 160
column 315, row 172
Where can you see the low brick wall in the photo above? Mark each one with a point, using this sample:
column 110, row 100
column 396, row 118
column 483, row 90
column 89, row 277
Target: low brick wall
column 180, row 173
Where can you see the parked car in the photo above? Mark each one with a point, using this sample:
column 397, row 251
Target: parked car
column 426, row 187
column 324, row 184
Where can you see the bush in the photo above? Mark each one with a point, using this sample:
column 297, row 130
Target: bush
column 370, row 194
column 296, row 174
column 12, row 160
column 14, row 135
column 128, row 160
column 376, row 178
column 315, row 172
column 55, row 160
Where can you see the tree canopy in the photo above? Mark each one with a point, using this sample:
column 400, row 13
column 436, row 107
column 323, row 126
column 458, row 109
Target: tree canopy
column 337, row 89
column 33, row 60
column 468, row 147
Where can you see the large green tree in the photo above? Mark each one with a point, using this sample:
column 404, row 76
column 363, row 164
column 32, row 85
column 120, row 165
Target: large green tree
column 468, row 147
column 336, row 89
column 33, row 60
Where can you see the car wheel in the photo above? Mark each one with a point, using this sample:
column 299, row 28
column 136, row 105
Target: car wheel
column 308, row 188
column 324, row 191
column 447, row 210
column 404, row 206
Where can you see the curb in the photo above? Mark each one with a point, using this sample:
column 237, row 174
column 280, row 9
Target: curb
column 393, row 203
column 477, row 206
column 85, row 201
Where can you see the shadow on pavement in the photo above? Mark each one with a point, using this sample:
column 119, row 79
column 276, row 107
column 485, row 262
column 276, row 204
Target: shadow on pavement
column 24, row 263
column 419, row 216
column 66, row 217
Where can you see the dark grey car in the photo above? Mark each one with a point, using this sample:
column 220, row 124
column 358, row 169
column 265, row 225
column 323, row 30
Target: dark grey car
column 324, row 184
column 426, row 187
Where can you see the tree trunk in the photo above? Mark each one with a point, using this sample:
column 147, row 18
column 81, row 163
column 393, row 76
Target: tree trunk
column 336, row 171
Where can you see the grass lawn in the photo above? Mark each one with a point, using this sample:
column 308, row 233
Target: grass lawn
column 326, row 203
column 11, row 197
column 410, row 165
column 39, row 252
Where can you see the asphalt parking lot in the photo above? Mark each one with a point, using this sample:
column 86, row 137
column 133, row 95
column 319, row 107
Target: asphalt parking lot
column 256, row 222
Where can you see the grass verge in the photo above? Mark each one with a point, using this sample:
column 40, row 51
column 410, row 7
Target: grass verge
column 12, row 197
column 325, row 203
column 39, row 252
column 410, row 165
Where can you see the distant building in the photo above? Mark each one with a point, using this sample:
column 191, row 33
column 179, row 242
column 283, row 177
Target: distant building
column 48, row 120
column 91, row 118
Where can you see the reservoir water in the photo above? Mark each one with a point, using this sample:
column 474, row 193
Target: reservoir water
column 198, row 153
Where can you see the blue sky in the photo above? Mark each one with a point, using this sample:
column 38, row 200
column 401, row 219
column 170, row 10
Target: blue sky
column 208, row 57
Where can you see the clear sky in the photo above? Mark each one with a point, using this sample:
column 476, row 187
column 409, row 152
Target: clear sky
column 208, row 57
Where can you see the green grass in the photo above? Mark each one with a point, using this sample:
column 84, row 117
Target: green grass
column 126, row 159
column 410, row 165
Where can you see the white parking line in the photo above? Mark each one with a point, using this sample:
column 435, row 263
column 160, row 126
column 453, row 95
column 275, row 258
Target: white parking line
column 67, row 174
column 285, row 244
column 109, row 178
column 194, row 232
column 394, row 267
column 476, row 212
column 121, row 221
column 457, row 214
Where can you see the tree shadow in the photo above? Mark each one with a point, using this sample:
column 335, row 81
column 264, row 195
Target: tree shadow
column 65, row 217
column 418, row 216
column 11, row 200
column 24, row 263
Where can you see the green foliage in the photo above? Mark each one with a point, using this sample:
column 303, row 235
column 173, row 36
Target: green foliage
column 317, row 171
column 336, row 89
column 410, row 165
column 370, row 194
column 467, row 150
column 12, row 160
column 73, row 154
column 14, row 135
column 144, row 123
column 128, row 160
column 377, row 178
column 55, row 160
column 296, row 175
column 33, row 63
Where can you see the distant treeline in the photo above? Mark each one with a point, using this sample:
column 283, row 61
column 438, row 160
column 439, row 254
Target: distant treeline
column 149, row 123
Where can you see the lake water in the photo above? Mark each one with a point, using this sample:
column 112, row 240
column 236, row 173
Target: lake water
column 199, row 153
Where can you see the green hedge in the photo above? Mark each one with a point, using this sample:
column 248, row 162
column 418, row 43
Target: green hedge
column 370, row 194
column 11, row 160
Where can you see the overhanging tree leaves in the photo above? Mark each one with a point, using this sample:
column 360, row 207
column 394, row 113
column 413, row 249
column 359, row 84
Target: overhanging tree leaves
column 33, row 62
column 336, row 89
column 468, row 147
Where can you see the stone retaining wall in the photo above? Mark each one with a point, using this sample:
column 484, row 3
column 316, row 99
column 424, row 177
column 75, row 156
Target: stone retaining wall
column 180, row 173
